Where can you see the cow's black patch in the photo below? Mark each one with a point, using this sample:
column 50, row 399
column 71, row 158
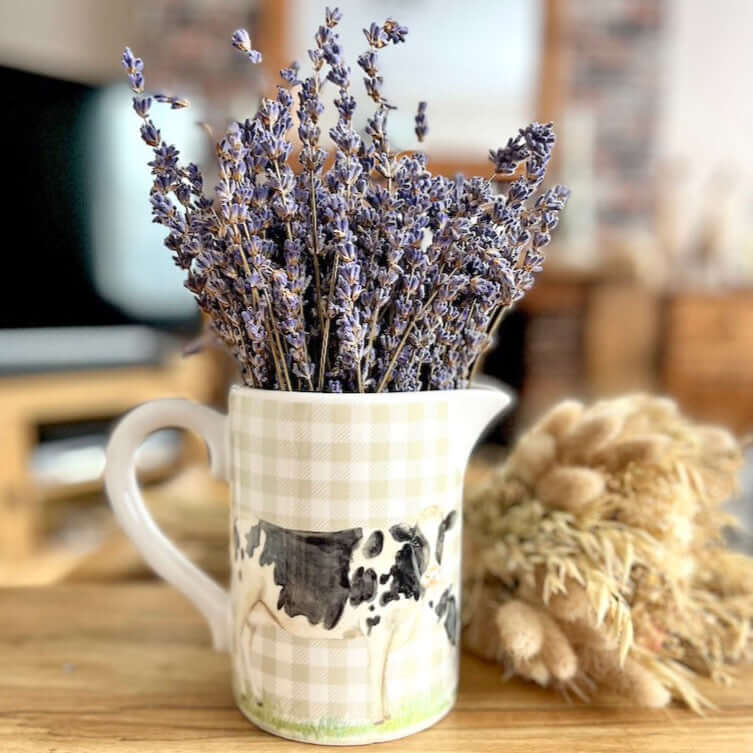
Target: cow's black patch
column 417, row 541
column 371, row 622
column 404, row 576
column 373, row 545
column 447, row 607
column 441, row 607
column 401, row 533
column 311, row 568
column 451, row 621
column 444, row 526
column 384, row 577
column 363, row 586
column 253, row 537
column 236, row 541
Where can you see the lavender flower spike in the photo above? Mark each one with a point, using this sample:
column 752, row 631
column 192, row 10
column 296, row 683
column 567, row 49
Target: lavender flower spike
column 141, row 106
column 242, row 41
column 394, row 31
column 176, row 103
column 422, row 127
column 135, row 68
column 332, row 17
column 375, row 36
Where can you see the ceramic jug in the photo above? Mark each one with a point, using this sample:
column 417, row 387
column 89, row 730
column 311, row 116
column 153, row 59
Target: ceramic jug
column 342, row 615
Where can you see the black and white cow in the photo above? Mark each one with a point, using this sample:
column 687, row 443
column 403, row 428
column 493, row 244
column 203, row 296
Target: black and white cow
column 350, row 583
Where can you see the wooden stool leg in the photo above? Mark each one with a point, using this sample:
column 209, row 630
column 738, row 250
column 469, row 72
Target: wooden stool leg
column 19, row 504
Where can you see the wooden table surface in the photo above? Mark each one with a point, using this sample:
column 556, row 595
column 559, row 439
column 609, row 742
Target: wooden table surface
column 128, row 669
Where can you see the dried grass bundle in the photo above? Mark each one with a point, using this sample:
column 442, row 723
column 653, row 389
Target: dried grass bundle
column 597, row 557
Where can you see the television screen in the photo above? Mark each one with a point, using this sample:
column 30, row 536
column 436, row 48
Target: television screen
column 80, row 248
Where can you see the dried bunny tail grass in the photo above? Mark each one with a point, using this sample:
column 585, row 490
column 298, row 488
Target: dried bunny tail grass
column 616, row 540
column 650, row 410
column 676, row 678
column 587, row 437
column 581, row 634
column 533, row 454
column 725, row 573
column 560, row 420
column 572, row 604
column 532, row 669
column 556, row 652
column 624, row 408
column 613, row 615
column 526, row 637
column 479, row 635
column 651, row 498
column 728, row 627
column 520, row 629
column 717, row 441
column 643, row 686
column 570, row 487
column 488, row 500
column 650, row 449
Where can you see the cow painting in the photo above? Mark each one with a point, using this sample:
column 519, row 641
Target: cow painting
column 356, row 582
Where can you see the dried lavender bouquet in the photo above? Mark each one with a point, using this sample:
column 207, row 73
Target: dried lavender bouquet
column 368, row 275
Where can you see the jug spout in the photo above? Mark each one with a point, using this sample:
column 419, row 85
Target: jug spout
column 479, row 406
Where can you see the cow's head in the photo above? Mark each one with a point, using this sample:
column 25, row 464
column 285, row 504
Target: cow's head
column 444, row 550
column 412, row 562
column 440, row 579
column 431, row 545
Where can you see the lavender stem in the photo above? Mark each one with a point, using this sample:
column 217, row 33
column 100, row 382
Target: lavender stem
column 404, row 339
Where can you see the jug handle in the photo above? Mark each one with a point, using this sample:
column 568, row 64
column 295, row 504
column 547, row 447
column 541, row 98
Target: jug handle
column 134, row 517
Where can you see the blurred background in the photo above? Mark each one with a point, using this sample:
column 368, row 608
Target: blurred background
column 649, row 284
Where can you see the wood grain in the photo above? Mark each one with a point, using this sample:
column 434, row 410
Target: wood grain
column 128, row 669
column 707, row 363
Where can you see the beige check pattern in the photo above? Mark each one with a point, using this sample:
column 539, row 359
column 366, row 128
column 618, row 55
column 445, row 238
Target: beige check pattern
column 328, row 463
column 312, row 680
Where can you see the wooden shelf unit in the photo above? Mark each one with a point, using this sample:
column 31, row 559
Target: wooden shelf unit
column 30, row 400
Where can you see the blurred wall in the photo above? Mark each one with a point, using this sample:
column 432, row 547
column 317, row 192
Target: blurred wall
column 81, row 40
column 706, row 126
column 74, row 39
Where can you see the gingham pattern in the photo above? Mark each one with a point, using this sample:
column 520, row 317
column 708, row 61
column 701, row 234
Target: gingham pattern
column 328, row 463
column 311, row 680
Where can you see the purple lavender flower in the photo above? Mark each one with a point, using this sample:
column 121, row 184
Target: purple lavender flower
column 506, row 159
column 134, row 67
column 421, row 125
column 332, row 17
column 373, row 86
column 195, row 178
column 130, row 62
column 141, row 106
column 376, row 36
column 290, row 74
column 289, row 311
column 176, row 103
column 165, row 159
column 242, row 41
column 256, row 332
column 150, row 134
column 368, row 61
column 394, row 31
column 370, row 275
